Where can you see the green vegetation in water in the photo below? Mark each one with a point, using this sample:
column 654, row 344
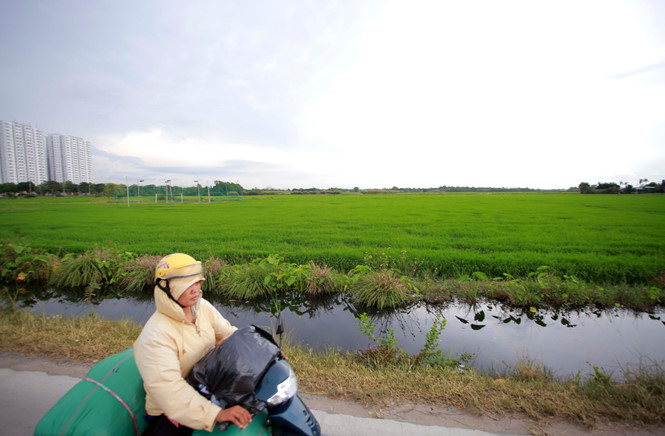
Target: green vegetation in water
column 527, row 390
column 384, row 350
column 101, row 272
column 599, row 239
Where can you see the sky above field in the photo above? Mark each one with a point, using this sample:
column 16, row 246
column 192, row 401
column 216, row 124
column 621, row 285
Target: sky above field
column 374, row 94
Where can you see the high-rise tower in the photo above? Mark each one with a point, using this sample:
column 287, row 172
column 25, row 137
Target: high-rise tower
column 22, row 153
column 68, row 159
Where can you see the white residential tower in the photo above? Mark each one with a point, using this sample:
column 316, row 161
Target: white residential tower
column 22, row 153
column 68, row 159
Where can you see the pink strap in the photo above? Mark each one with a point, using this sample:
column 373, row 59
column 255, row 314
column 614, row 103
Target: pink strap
column 120, row 400
column 107, row 390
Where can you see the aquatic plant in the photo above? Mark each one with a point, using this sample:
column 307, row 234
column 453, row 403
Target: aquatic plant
column 384, row 350
column 20, row 263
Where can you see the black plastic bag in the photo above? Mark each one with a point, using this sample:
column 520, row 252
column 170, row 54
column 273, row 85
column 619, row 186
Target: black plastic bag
column 229, row 373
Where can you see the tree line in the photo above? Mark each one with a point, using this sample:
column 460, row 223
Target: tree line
column 220, row 188
column 622, row 187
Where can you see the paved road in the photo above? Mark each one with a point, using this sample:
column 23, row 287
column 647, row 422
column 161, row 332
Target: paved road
column 25, row 396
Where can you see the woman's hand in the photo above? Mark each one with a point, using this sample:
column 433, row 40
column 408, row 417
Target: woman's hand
column 236, row 415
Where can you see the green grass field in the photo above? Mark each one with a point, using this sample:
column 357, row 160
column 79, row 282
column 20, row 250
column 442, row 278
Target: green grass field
column 601, row 238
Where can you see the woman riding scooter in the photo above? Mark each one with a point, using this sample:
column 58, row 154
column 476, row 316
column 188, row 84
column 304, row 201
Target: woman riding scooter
column 183, row 329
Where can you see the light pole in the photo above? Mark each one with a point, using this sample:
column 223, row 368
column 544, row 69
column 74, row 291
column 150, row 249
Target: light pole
column 138, row 190
column 208, row 183
column 167, row 189
column 198, row 190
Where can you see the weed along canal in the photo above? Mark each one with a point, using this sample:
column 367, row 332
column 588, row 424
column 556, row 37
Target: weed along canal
column 566, row 342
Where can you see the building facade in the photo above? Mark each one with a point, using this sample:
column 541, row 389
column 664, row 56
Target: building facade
column 22, row 153
column 69, row 159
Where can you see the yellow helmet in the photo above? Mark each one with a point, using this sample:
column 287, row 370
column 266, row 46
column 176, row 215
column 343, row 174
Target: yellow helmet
column 177, row 265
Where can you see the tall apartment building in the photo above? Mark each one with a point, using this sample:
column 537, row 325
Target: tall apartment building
column 68, row 159
column 22, row 153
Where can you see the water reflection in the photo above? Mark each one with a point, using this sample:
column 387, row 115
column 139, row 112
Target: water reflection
column 567, row 341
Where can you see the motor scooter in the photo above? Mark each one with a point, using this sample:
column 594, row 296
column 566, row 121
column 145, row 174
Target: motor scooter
column 249, row 369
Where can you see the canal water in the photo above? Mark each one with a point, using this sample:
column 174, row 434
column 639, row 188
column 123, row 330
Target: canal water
column 567, row 342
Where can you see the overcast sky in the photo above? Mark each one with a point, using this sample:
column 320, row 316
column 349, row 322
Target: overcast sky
column 289, row 94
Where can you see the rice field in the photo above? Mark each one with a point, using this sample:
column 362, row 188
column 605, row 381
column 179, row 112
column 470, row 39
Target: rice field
column 600, row 238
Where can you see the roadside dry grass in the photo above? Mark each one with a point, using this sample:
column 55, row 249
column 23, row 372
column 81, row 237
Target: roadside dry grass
column 528, row 390
column 85, row 339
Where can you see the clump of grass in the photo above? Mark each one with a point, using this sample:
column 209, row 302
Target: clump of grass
column 92, row 267
column 473, row 288
column 138, row 275
column 94, row 270
column 641, row 397
column 320, row 280
column 528, row 370
column 247, row 282
column 212, row 271
column 435, row 291
column 382, row 289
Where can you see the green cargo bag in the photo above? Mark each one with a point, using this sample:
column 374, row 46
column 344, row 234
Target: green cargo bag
column 110, row 400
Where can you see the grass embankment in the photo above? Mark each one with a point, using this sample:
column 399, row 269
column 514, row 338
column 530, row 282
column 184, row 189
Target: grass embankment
column 527, row 390
column 104, row 271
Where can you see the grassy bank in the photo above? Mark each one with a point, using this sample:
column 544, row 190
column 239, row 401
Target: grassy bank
column 378, row 284
column 528, row 390
column 600, row 239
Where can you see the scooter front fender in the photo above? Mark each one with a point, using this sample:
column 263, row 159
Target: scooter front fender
column 294, row 418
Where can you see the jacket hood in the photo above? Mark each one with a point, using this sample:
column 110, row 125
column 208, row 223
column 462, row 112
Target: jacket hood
column 177, row 286
column 168, row 307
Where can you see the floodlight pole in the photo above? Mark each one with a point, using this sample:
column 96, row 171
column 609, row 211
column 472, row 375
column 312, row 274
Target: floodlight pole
column 198, row 189
column 207, row 183
column 138, row 190
column 167, row 189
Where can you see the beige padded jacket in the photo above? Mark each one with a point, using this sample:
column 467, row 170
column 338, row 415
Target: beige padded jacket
column 166, row 351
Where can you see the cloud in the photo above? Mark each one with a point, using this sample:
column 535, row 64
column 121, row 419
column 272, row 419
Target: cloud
column 639, row 71
column 450, row 95
column 157, row 154
column 369, row 94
